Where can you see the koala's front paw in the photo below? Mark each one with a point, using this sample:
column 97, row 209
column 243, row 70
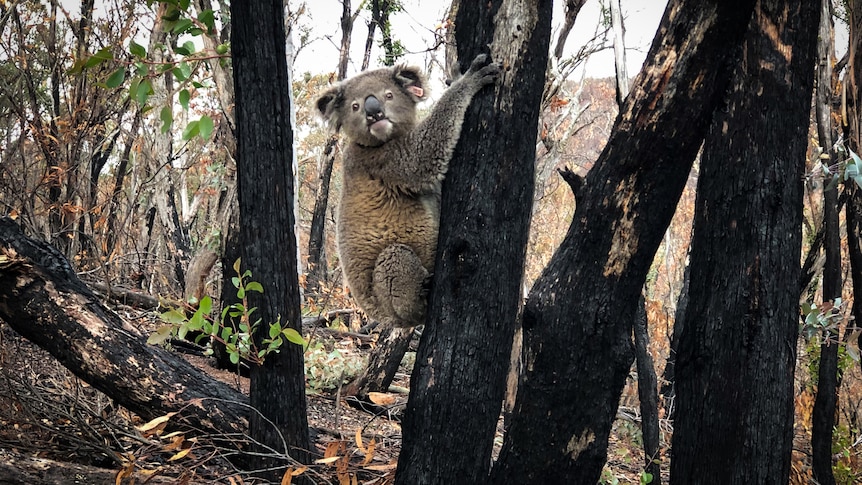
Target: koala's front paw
column 483, row 71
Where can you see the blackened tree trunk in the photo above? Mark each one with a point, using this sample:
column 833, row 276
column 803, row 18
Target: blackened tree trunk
column 266, row 201
column 647, row 395
column 383, row 363
column 737, row 351
column 668, row 377
column 578, row 317
column 824, row 414
column 458, row 382
column 43, row 300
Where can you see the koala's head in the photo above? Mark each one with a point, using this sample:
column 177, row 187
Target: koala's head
column 374, row 107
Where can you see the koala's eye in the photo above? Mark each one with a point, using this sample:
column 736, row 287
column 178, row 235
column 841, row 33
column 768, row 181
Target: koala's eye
column 389, row 95
column 355, row 106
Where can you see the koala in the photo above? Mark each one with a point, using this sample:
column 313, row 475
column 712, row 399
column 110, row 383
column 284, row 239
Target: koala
column 393, row 168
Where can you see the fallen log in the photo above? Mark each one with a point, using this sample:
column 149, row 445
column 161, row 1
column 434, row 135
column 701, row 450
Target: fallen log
column 17, row 468
column 43, row 300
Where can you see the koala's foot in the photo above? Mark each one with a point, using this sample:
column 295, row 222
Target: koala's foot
column 400, row 284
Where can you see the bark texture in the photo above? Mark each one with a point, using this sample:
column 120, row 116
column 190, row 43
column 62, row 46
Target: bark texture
column 267, row 222
column 824, row 413
column 42, row 299
column 578, row 316
column 737, row 351
column 475, row 297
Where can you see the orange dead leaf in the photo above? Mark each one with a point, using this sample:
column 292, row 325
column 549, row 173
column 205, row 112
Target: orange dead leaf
column 381, row 399
column 369, row 453
column 383, row 468
column 325, row 461
column 335, row 448
column 287, row 477
column 359, row 440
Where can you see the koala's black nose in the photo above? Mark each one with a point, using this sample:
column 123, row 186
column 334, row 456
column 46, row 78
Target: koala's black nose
column 373, row 109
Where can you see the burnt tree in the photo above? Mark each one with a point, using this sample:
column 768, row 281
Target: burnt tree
column 43, row 300
column 737, row 351
column 579, row 314
column 266, row 203
column 824, row 412
column 464, row 351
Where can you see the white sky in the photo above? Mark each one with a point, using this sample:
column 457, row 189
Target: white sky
column 415, row 25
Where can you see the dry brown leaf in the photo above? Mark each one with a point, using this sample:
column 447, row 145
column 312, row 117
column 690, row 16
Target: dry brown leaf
column 180, row 454
column 381, row 398
column 155, row 425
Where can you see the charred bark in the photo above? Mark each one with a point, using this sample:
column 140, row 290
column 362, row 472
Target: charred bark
column 43, row 300
column 824, row 412
column 578, row 316
column 267, row 223
column 383, row 363
column 737, row 352
column 648, row 395
column 475, row 297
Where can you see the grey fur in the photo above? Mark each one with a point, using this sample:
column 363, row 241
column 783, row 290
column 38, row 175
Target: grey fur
column 393, row 168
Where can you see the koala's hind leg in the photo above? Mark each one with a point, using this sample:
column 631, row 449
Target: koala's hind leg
column 400, row 283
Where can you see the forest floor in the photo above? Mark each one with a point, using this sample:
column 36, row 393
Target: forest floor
column 48, row 414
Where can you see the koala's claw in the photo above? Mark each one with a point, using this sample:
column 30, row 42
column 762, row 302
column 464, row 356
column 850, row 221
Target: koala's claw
column 484, row 71
column 478, row 62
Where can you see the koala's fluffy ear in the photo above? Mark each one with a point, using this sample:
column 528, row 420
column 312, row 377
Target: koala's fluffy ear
column 412, row 81
column 328, row 103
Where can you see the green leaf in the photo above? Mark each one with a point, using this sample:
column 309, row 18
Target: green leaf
column 116, row 78
column 235, row 281
column 160, row 335
column 144, row 90
column 182, row 25
column 274, row 330
column 206, row 305
column 186, row 69
column 206, row 128
column 141, row 69
column 183, row 330
column 293, row 336
column 226, row 333
column 240, row 293
column 222, row 49
column 207, row 17
column 175, row 317
column 254, row 286
column 99, row 57
column 187, row 49
column 184, row 4
column 167, row 117
column 137, row 50
column 78, row 66
column 234, row 358
column 184, row 99
column 191, row 131
column 197, row 321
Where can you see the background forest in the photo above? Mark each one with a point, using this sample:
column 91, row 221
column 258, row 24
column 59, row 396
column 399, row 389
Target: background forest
column 118, row 146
